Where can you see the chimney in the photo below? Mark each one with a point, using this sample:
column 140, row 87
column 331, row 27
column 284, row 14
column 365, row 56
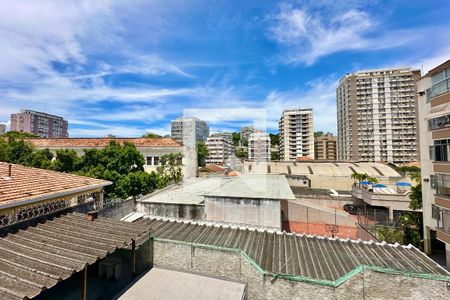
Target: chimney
column 92, row 215
column 9, row 170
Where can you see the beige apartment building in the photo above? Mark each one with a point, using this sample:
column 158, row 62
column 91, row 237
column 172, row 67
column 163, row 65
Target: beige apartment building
column 376, row 115
column 220, row 148
column 434, row 131
column 259, row 146
column 296, row 131
column 325, row 147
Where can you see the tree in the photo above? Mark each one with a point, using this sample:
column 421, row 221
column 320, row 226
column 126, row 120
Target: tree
column 169, row 170
column 274, row 155
column 274, row 139
column 415, row 196
column 66, row 161
column 18, row 151
column 151, row 135
column 137, row 183
column 318, row 133
column 202, row 153
column 241, row 152
column 41, row 159
column 19, row 135
column 236, row 138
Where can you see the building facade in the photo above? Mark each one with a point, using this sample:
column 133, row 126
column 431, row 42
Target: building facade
column 259, row 146
column 434, row 126
column 220, row 148
column 296, row 131
column 2, row 128
column 245, row 134
column 325, row 147
column 179, row 129
column 376, row 115
column 40, row 124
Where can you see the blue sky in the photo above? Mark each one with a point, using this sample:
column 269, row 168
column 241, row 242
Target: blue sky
column 129, row 67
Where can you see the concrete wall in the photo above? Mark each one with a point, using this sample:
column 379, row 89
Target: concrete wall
column 260, row 212
column 328, row 202
column 234, row 266
column 296, row 212
column 182, row 211
column 117, row 211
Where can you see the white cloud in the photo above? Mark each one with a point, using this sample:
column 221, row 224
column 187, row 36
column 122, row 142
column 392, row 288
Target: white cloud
column 307, row 35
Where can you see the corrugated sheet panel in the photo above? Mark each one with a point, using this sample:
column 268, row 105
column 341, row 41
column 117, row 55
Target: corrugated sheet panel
column 299, row 255
column 37, row 258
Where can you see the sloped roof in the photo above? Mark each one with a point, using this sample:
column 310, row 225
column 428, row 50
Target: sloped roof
column 308, row 168
column 39, row 257
column 29, row 184
column 311, row 257
column 102, row 142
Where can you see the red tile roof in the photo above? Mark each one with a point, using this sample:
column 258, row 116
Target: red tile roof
column 103, row 142
column 30, row 184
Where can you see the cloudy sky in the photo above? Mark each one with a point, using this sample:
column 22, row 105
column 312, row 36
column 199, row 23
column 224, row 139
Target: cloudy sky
column 129, row 67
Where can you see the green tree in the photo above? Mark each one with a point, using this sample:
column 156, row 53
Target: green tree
column 137, row 183
column 274, row 139
column 274, row 155
column 202, row 153
column 170, row 169
column 19, row 135
column 18, row 151
column 41, row 159
column 66, row 161
column 318, row 133
column 241, row 152
column 151, row 135
column 390, row 234
column 415, row 196
column 236, row 138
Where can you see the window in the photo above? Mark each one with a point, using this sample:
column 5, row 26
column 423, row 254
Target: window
column 435, row 212
column 156, row 160
column 433, row 181
column 441, row 149
column 149, row 160
column 442, row 185
column 439, row 122
column 441, row 83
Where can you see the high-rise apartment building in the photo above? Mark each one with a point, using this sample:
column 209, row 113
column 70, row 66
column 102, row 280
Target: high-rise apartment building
column 40, row 124
column 178, row 129
column 376, row 115
column 245, row 134
column 325, row 147
column 296, row 131
column 220, row 148
column 259, row 146
column 434, row 132
column 2, row 128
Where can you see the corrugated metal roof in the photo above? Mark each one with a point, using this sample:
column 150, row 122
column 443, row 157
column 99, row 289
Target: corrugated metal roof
column 37, row 258
column 313, row 257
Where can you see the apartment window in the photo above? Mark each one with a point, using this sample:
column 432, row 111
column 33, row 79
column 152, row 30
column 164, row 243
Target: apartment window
column 441, row 148
column 149, row 160
column 433, row 181
column 439, row 122
column 443, row 185
column 156, row 160
column 440, row 82
column 435, row 212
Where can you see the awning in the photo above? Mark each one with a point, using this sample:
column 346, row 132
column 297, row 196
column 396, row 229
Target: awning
column 37, row 258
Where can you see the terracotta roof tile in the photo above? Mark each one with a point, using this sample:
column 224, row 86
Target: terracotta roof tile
column 27, row 183
column 103, row 142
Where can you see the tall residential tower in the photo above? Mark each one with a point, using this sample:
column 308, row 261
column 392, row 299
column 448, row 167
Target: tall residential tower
column 179, row 128
column 376, row 115
column 296, row 132
column 39, row 123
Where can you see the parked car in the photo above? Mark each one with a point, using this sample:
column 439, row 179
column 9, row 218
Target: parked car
column 351, row 209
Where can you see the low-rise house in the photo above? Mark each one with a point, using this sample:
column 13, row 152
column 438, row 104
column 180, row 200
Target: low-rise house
column 151, row 148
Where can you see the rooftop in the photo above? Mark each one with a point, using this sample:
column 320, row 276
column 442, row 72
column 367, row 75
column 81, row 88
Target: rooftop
column 300, row 257
column 193, row 190
column 176, row 285
column 102, row 142
column 308, row 168
column 28, row 184
column 37, row 258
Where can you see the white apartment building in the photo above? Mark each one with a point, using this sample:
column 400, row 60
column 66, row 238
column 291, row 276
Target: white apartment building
column 434, row 132
column 376, row 115
column 179, row 130
column 259, row 146
column 220, row 148
column 296, row 131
